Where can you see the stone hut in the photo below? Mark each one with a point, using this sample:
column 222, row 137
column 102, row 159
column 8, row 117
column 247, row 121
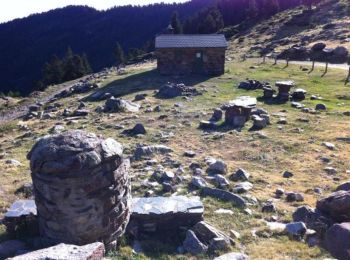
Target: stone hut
column 191, row 54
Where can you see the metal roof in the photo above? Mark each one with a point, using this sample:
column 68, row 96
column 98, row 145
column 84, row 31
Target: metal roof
column 191, row 41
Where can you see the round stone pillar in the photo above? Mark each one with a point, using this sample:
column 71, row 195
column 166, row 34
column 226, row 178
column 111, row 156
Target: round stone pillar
column 81, row 187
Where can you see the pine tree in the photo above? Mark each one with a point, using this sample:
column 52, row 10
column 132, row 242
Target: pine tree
column 270, row 7
column 86, row 64
column 119, row 54
column 175, row 23
column 253, row 11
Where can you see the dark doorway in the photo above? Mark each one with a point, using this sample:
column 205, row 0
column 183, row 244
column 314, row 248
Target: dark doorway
column 198, row 65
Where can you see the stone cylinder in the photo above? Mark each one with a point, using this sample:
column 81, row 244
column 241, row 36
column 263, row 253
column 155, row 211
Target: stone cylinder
column 82, row 188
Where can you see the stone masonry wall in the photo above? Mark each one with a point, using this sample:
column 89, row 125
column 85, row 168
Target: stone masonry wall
column 182, row 61
column 82, row 188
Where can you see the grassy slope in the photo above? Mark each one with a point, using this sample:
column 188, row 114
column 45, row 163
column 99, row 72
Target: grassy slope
column 329, row 23
column 264, row 158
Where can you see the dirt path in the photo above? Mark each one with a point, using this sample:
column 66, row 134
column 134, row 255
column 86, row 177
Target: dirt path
column 22, row 110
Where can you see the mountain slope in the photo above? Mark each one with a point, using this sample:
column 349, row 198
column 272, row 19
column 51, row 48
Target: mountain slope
column 26, row 44
column 329, row 22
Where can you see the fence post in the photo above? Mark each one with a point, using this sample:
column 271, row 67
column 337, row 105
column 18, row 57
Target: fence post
column 326, row 70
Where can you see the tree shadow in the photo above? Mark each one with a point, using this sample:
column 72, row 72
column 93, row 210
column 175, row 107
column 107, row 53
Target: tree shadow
column 148, row 80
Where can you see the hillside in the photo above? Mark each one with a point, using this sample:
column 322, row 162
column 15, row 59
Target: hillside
column 26, row 44
column 328, row 23
column 294, row 142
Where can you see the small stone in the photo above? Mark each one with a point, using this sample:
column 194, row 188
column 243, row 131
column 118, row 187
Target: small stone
column 198, row 182
column 330, row 146
column 321, row 107
column 296, row 230
column 190, row 154
column 223, row 211
column 330, row 170
column 279, row 192
column 269, row 207
column 293, row 196
column 242, row 187
column 288, row 174
column 240, row 175
column 232, row 256
column 13, row 162
column 217, row 167
column 221, row 181
column 193, row 245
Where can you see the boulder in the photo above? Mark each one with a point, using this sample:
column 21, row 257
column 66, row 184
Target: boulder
column 240, row 175
column 114, row 105
column 217, row 167
column 148, row 151
column 296, row 230
column 11, row 248
column 337, row 241
column 94, row 251
column 224, row 195
column 345, row 186
column 193, row 245
column 336, row 205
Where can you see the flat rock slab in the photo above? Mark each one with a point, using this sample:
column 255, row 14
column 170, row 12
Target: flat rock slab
column 95, row 251
column 244, row 101
column 21, row 208
column 224, row 195
column 157, row 214
column 285, row 83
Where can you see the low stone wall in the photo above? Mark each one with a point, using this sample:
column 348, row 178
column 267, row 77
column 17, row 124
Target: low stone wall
column 82, row 188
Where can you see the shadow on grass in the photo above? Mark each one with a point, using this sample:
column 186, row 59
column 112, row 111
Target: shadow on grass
column 148, row 80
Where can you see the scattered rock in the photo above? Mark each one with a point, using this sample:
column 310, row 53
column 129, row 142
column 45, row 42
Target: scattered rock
column 217, row 167
column 224, row 195
column 242, row 187
column 336, row 205
column 11, row 248
column 288, row 174
column 240, row 175
column 232, row 256
column 321, row 107
column 114, row 105
column 296, row 230
column 198, row 182
column 147, row 151
column 330, row 146
column 337, row 241
column 293, row 196
column 193, row 245
column 95, row 251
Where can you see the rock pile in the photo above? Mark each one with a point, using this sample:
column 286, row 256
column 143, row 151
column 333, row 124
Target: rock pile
column 81, row 187
column 330, row 221
column 251, row 84
column 81, row 87
column 172, row 90
column 203, row 238
column 318, row 52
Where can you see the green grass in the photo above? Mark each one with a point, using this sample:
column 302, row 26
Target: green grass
column 265, row 158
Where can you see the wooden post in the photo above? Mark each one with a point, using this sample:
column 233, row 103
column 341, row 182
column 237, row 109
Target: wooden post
column 326, row 70
column 312, row 67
